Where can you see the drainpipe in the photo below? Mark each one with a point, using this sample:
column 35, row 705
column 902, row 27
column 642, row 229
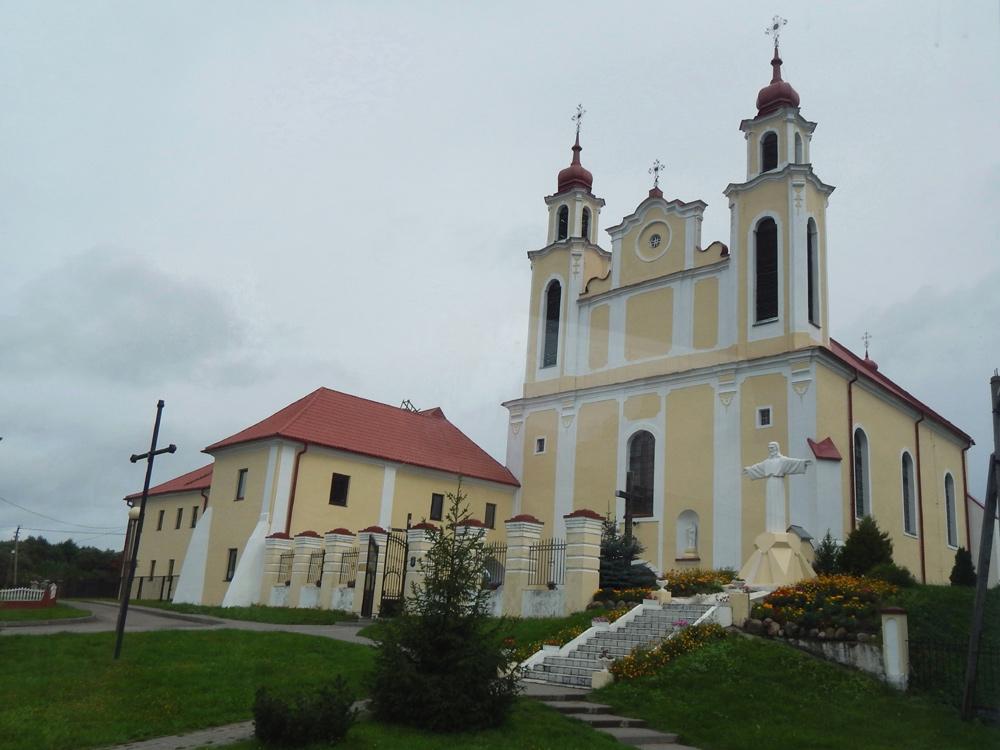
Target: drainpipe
column 850, row 445
column 291, row 492
column 965, row 502
column 204, row 501
column 920, row 500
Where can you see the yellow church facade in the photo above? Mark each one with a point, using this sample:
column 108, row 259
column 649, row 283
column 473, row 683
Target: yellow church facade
column 664, row 366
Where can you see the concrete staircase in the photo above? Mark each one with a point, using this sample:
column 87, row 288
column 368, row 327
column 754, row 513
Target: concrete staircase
column 648, row 628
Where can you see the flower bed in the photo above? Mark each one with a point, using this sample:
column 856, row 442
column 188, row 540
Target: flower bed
column 647, row 661
column 829, row 606
column 698, row 581
column 611, row 597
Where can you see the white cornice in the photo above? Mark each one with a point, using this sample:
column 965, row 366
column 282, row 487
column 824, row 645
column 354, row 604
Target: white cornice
column 675, row 206
column 576, row 192
column 794, row 170
column 666, row 280
column 784, row 113
column 570, row 243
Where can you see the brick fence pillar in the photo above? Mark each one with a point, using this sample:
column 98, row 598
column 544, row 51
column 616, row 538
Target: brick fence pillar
column 304, row 545
column 895, row 647
column 583, row 557
column 336, row 543
column 418, row 542
column 380, row 536
column 522, row 532
column 274, row 547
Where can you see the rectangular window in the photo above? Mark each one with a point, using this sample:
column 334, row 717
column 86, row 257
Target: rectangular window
column 339, row 485
column 539, row 445
column 437, row 506
column 764, row 416
column 241, row 484
column 491, row 515
column 194, row 516
column 159, row 521
column 152, row 569
column 180, row 517
column 170, row 568
column 231, row 564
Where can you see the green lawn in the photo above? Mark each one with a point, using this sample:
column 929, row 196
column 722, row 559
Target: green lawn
column 945, row 612
column 64, row 691
column 748, row 693
column 523, row 631
column 257, row 613
column 532, row 726
column 57, row 612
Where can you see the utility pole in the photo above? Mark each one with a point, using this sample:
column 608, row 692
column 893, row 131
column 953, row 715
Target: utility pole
column 149, row 456
column 985, row 551
column 17, row 536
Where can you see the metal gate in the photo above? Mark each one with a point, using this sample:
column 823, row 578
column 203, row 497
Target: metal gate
column 394, row 577
column 371, row 568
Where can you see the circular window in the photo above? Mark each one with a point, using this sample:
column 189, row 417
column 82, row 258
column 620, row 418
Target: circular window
column 654, row 241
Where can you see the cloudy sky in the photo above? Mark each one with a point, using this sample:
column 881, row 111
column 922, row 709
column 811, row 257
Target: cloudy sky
column 229, row 204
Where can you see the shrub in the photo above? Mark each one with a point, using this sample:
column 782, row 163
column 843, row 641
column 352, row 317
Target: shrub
column 691, row 581
column 443, row 664
column 644, row 662
column 897, row 575
column 865, row 548
column 622, row 595
column 827, row 559
column 617, row 555
column 963, row 573
column 839, row 601
column 323, row 715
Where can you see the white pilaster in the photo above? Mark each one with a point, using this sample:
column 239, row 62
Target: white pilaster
column 285, row 467
column 565, row 467
column 727, row 501
column 388, row 492
column 802, row 488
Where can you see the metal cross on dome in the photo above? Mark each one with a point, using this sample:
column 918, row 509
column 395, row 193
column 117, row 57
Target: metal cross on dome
column 774, row 30
column 867, row 339
column 655, row 171
column 580, row 112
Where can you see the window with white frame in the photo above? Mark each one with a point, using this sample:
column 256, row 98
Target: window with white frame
column 764, row 416
column 949, row 510
column 765, row 270
column 641, row 467
column 909, row 496
column 862, row 502
column 539, row 445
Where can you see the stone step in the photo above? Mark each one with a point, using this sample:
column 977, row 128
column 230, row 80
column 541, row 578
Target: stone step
column 560, row 679
column 569, row 661
column 574, row 707
column 639, row 736
column 600, row 721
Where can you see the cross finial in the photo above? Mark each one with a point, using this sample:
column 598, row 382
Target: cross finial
column 774, row 30
column 655, row 171
column 580, row 112
column 867, row 339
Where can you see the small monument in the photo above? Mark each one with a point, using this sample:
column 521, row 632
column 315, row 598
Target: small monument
column 778, row 558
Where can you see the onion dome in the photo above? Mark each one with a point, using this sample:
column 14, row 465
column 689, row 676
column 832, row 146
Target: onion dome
column 575, row 176
column 777, row 93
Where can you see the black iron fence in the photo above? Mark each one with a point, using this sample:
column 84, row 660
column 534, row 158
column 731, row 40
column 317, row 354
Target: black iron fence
column 160, row 588
column 495, row 564
column 349, row 567
column 547, row 560
column 285, row 567
column 937, row 668
column 315, row 573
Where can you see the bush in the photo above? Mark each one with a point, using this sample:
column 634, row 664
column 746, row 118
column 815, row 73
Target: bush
column 865, row 548
column 443, row 664
column 827, row 559
column 828, row 601
column 897, row 575
column 617, row 554
column 323, row 715
column 963, row 573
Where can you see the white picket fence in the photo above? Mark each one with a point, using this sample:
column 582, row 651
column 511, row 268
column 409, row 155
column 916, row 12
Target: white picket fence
column 22, row 594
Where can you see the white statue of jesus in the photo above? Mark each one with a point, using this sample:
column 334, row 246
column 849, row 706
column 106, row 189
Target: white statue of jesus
column 774, row 468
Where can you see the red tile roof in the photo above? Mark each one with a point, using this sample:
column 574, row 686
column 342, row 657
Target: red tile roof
column 199, row 479
column 825, row 449
column 866, row 371
column 349, row 423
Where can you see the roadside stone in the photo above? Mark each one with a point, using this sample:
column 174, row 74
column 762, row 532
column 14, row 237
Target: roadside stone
column 621, row 603
column 830, row 632
column 840, row 633
column 753, row 626
column 863, row 637
column 773, row 629
column 595, row 605
column 814, row 632
column 791, row 629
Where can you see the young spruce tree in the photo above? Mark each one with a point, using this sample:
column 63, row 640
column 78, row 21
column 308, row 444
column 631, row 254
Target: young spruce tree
column 442, row 664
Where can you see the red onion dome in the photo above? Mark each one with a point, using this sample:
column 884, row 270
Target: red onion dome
column 575, row 175
column 777, row 93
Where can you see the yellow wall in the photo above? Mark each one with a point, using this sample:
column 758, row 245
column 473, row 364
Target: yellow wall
column 596, row 457
column 669, row 227
column 644, row 406
column 312, row 509
column 542, row 268
column 760, row 390
column 648, row 324
column 832, row 421
column 413, row 495
column 597, row 356
column 168, row 543
column 539, row 474
column 688, row 470
column 939, row 455
column 232, row 520
column 706, row 313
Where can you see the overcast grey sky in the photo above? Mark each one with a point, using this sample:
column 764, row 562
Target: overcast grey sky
column 229, row 204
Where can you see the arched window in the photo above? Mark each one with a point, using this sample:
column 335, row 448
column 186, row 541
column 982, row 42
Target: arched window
column 812, row 271
column 949, row 510
column 798, row 149
column 563, row 232
column 862, row 503
column 641, row 460
column 769, row 151
column 585, row 224
column 766, row 270
column 553, row 302
column 909, row 497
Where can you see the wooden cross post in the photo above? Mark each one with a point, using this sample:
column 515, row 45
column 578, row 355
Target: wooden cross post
column 985, row 550
column 152, row 453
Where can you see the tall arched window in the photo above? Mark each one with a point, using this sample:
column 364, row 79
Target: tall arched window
column 766, row 270
column 641, row 460
column 798, row 149
column 553, row 302
column 949, row 510
column 585, row 224
column 563, row 232
column 769, row 151
column 812, row 271
column 909, row 497
column 862, row 502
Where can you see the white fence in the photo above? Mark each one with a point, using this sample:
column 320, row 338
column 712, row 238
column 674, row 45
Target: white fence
column 23, row 594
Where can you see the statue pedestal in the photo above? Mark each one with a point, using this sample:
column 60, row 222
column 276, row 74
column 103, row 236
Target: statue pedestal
column 778, row 559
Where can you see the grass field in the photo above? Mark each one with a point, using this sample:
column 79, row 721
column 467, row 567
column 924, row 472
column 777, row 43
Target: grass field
column 532, row 726
column 64, row 691
column 257, row 613
column 748, row 693
column 57, row 612
column 945, row 612
column 523, row 631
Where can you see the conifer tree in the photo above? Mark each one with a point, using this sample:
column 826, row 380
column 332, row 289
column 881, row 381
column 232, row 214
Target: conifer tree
column 963, row 573
column 865, row 547
column 827, row 558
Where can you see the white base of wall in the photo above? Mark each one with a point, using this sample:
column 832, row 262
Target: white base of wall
column 543, row 603
column 309, row 597
column 244, row 589
column 279, row 596
column 342, row 599
column 191, row 585
column 495, row 604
